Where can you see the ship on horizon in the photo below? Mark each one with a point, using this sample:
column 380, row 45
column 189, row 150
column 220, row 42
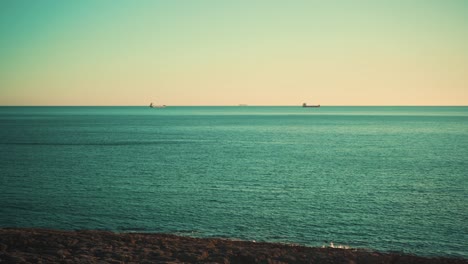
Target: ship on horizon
column 156, row 106
column 305, row 105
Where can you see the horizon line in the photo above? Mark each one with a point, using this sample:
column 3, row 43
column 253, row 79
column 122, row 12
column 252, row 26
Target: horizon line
column 239, row 105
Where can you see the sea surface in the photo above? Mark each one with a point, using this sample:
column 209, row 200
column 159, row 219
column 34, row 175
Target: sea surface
column 381, row 178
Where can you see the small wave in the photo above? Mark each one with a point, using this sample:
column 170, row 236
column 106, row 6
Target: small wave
column 132, row 230
column 182, row 232
column 336, row 246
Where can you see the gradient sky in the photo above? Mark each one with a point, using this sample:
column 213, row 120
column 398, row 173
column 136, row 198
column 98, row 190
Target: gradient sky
column 394, row 52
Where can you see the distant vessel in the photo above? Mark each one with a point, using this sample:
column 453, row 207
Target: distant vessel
column 305, row 105
column 156, row 106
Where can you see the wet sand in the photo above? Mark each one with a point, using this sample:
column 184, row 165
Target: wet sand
column 53, row 246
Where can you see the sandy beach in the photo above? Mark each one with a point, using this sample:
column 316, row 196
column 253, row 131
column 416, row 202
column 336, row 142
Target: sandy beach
column 54, row 246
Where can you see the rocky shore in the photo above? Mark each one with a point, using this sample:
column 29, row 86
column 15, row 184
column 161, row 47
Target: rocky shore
column 53, row 246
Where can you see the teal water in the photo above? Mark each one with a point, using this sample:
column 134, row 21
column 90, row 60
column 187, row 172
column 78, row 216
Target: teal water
column 383, row 178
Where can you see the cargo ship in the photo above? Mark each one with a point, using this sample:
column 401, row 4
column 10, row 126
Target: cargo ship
column 156, row 106
column 305, row 105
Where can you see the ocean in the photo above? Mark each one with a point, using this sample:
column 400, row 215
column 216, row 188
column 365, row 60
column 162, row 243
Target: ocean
column 380, row 178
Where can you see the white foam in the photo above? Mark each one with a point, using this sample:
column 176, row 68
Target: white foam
column 337, row 246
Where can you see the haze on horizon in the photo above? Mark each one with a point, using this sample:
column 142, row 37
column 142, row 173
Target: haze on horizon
column 210, row 52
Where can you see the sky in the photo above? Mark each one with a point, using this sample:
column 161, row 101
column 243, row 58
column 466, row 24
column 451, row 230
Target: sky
column 212, row 52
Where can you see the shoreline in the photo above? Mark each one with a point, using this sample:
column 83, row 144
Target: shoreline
column 33, row 245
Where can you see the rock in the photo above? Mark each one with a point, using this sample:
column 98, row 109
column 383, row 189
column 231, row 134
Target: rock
column 49, row 246
column 273, row 261
column 63, row 253
column 203, row 255
column 3, row 247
